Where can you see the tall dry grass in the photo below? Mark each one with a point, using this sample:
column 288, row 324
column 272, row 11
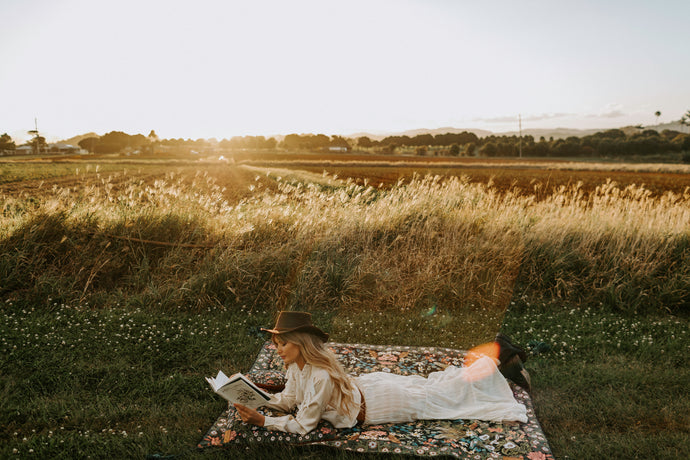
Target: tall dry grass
column 314, row 242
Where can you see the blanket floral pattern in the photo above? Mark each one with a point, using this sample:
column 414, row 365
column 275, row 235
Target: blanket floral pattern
column 465, row 439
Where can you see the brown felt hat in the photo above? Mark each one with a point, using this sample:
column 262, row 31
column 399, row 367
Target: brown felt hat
column 296, row 321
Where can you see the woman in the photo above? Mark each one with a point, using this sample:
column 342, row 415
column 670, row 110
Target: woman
column 318, row 386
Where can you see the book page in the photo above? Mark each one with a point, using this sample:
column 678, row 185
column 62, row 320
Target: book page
column 239, row 390
column 219, row 380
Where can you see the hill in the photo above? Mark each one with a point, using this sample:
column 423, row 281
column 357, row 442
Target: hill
column 556, row 133
column 416, row 132
column 75, row 139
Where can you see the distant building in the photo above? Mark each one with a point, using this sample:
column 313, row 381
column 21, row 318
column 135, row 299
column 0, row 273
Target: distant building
column 24, row 150
column 64, row 148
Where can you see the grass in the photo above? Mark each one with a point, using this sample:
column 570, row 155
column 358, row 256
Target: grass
column 112, row 382
column 120, row 294
column 124, row 382
column 611, row 385
column 38, row 169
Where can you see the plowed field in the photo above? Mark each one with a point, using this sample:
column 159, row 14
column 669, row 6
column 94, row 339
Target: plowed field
column 539, row 177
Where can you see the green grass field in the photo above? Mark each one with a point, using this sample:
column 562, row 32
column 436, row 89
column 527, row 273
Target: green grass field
column 122, row 288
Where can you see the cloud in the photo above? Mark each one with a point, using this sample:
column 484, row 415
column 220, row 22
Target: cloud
column 547, row 116
column 514, row 118
column 611, row 114
column 609, row 111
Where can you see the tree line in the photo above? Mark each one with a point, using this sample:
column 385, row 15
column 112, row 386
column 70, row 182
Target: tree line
column 612, row 142
column 117, row 141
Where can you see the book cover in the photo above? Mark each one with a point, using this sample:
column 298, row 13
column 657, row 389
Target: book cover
column 238, row 389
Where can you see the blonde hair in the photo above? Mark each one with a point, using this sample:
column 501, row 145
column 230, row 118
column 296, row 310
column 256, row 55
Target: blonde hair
column 316, row 353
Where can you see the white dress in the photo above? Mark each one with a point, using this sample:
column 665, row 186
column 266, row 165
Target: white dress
column 475, row 392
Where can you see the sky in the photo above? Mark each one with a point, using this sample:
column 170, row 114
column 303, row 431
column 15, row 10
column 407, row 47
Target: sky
column 223, row 68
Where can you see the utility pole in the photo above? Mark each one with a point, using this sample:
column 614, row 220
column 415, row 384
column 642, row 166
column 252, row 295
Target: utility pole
column 520, row 131
column 36, row 148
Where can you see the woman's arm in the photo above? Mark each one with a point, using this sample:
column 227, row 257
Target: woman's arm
column 310, row 410
column 286, row 400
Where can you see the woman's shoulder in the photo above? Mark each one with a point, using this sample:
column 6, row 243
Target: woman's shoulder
column 320, row 373
column 315, row 372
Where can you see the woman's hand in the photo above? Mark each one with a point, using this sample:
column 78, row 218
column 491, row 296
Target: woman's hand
column 250, row 415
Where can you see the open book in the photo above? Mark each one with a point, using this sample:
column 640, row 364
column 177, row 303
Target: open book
column 238, row 389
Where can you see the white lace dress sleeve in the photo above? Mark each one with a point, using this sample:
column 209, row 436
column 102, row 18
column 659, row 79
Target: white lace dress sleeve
column 310, row 390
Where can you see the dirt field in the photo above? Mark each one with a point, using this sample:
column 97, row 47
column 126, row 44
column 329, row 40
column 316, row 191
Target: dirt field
column 234, row 183
column 526, row 176
column 527, row 181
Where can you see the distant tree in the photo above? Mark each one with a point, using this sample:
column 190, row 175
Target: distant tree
column 569, row 147
column 455, row 150
column 647, row 133
column 613, row 134
column 682, row 141
column 6, row 143
column 470, row 148
column 292, row 141
column 587, row 151
column 306, row 141
column 421, row 150
column 338, row 141
column 258, row 142
column 364, row 142
column 541, row 148
column 657, row 114
column 489, row 149
column 139, row 140
column 89, row 144
column 446, row 139
column 685, row 119
column 455, row 138
column 423, row 139
column 38, row 144
column 153, row 140
column 318, row 141
column 397, row 140
column 669, row 134
column 114, row 141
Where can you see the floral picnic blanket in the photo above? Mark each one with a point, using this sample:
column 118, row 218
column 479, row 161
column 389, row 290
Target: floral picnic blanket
column 464, row 439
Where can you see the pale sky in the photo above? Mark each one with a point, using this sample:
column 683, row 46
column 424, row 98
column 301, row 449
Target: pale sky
column 220, row 68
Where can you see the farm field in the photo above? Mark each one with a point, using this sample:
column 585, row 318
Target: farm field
column 125, row 281
column 538, row 177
